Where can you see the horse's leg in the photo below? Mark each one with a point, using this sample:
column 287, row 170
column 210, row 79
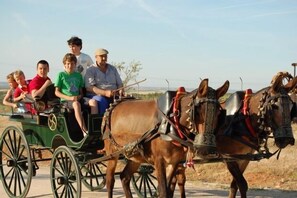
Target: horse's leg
column 170, row 174
column 238, row 180
column 161, row 177
column 173, row 182
column 110, row 172
column 180, row 179
column 130, row 168
column 110, row 169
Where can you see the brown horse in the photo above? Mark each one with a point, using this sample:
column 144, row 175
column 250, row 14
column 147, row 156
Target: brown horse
column 133, row 129
column 251, row 119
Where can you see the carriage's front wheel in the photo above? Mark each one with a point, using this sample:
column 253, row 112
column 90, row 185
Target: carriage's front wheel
column 144, row 182
column 65, row 174
column 15, row 164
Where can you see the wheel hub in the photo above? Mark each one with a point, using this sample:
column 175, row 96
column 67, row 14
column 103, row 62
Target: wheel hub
column 11, row 163
column 62, row 180
column 66, row 180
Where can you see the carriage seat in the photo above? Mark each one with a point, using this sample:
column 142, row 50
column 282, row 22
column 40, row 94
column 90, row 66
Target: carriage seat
column 234, row 102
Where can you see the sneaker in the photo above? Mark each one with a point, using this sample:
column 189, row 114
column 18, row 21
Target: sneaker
column 85, row 133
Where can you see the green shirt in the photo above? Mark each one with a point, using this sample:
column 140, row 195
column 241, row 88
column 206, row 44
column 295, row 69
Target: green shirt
column 69, row 84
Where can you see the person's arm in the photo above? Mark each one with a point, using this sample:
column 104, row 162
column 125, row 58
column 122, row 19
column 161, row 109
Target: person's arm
column 59, row 94
column 90, row 84
column 18, row 95
column 102, row 92
column 6, row 99
column 40, row 92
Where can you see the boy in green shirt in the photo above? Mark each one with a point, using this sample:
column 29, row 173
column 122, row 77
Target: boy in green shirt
column 69, row 84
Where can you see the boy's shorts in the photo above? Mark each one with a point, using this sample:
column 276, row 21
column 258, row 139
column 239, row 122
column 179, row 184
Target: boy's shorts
column 69, row 104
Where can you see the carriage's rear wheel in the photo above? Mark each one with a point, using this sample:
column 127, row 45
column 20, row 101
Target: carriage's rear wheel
column 15, row 164
column 65, row 174
column 93, row 175
column 144, row 182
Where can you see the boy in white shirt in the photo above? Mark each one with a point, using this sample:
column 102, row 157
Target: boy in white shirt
column 83, row 60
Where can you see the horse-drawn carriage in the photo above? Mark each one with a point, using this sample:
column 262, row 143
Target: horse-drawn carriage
column 160, row 132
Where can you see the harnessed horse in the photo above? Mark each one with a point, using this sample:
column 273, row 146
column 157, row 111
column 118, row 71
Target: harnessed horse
column 132, row 128
column 250, row 121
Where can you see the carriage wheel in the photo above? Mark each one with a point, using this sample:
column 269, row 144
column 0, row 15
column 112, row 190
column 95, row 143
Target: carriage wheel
column 65, row 174
column 15, row 165
column 144, row 182
column 93, row 175
column 52, row 122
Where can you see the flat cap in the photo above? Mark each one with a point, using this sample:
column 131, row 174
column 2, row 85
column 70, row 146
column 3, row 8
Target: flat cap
column 100, row 52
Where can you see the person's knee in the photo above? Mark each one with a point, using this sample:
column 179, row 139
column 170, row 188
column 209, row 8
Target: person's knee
column 93, row 103
column 76, row 105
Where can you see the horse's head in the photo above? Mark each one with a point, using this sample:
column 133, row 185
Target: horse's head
column 275, row 110
column 199, row 114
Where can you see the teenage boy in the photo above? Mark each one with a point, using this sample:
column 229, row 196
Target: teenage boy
column 41, row 81
column 83, row 60
column 69, row 84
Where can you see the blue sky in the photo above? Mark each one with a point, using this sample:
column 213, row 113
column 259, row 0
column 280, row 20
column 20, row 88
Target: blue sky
column 181, row 41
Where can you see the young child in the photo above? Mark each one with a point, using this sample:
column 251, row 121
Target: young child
column 21, row 93
column 41, row 81
column 22, row 90
column 8, row 98
column 69, row 84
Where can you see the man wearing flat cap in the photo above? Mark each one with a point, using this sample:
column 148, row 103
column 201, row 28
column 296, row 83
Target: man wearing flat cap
column 102, row 80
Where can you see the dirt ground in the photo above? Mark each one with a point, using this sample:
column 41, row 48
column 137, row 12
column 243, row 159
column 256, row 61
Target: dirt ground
column 278, row 174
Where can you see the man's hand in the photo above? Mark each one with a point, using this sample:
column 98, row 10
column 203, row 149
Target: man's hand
column 108, row 93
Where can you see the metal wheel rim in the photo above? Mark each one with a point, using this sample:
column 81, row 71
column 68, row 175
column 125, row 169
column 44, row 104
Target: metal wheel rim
column 65, row 174
column 15, row 162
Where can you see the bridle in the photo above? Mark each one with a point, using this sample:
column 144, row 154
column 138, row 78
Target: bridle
column 265, row 114
column 212, row 104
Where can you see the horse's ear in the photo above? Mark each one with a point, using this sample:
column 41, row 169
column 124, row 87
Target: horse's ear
column 223, row 89
column 291, row 84
column 203, row 88
column 277, row 82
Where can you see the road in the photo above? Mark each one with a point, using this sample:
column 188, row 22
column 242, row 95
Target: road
column 41, row 188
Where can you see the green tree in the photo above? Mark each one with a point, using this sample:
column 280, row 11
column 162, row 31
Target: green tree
column 129, row 72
